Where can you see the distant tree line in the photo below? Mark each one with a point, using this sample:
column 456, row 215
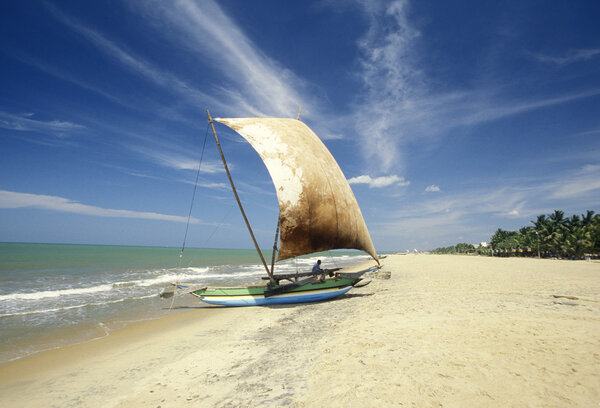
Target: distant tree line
column 550, row 235
column 461, row 248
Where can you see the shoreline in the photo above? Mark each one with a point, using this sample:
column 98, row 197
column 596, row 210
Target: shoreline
column 181, row 304
column 442, row 330
column 80, row 291
column 64, row 337
column 79, row 334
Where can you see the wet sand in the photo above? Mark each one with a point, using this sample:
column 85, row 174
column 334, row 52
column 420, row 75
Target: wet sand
column 447, row 331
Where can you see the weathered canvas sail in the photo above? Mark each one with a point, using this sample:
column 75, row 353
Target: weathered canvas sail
column 318, row 210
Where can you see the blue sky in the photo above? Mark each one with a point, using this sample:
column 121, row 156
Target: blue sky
column 450, row 119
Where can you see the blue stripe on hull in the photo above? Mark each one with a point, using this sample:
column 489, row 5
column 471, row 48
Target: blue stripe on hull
column 302, row 297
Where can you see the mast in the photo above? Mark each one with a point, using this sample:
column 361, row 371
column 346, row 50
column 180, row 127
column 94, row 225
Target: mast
column 238, row 200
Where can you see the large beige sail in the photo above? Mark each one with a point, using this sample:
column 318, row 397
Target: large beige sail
column 318, row 210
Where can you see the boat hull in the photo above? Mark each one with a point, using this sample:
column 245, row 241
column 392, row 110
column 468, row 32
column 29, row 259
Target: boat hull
column 259, row 296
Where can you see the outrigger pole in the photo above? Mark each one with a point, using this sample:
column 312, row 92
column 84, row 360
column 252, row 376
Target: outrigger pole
column 275, row 247
column 272, row 280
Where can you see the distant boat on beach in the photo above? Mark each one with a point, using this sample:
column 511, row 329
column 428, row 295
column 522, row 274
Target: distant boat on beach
column 317, row 212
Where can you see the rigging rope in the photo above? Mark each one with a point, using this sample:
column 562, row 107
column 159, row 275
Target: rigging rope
column 332, row 259
column 233, row 206
column 187, row 225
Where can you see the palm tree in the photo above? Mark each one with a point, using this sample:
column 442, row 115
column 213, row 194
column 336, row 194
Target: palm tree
column 527, row 238
column 556, row 237
column 579, row 242
column 591, row 223
column 588, row 218
column 572, row 237
column 541, row 228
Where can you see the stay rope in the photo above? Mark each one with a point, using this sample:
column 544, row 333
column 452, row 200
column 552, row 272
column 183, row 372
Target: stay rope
column 332, row 259
column 187, row 225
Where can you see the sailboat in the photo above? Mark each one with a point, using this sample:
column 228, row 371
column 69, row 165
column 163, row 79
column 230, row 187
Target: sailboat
column 317, row 212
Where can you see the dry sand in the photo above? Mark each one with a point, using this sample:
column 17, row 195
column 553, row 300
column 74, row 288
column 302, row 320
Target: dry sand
column 451, row 331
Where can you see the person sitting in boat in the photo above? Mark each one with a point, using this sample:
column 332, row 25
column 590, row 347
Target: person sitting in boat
column 317, row 270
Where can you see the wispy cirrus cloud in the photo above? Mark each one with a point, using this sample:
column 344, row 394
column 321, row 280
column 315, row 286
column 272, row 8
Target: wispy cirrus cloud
column 489, row 112
column 378, row 182
column 577, row 183
column 454, row 215
column 179, row 161
column 26, row 123
column 129, row 60
column 255, row 84
column 520, row 197
column 13, row 199
column 398, row 107
column 570, row 57
column 389, row 80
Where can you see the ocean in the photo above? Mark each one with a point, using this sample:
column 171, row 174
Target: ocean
column 52, row 295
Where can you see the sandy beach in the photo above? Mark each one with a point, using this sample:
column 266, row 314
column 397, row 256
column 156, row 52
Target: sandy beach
column 442, row 330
